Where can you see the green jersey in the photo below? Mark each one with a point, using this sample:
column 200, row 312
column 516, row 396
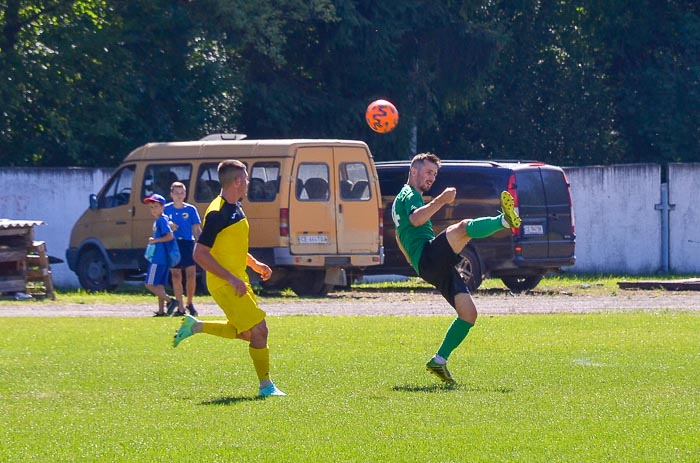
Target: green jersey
column 411, row 239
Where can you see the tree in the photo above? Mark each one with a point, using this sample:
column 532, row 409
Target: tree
column 50, row 54
column 653, row 62
column 86, row 81
column 90, row 81
column 546, row 97
column 599, row 83
column 418, row 54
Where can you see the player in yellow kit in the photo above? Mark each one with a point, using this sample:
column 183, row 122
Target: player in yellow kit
column 222, row 250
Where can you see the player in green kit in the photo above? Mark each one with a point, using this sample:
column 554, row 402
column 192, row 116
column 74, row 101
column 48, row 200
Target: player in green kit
column 434, row 257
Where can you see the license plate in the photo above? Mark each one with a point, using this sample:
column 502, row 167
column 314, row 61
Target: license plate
column 533, row 230
column 313, row 239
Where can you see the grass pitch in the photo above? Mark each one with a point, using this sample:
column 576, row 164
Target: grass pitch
column 598, row 387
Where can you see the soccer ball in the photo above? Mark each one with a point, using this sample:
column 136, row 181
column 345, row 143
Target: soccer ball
column 382, row 116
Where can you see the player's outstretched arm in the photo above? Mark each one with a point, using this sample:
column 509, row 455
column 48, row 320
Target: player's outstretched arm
column 424, row 213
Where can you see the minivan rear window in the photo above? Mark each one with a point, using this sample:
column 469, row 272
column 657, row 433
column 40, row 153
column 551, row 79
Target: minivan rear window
column 354, row 181
column 557, row 187
column 312, row 182
column 530, row 189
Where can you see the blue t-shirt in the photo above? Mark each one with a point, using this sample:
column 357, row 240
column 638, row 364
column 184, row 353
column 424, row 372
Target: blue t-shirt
column 161, row 227
column 184, row 218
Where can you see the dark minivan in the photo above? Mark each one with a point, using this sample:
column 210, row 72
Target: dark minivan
column 544, row 243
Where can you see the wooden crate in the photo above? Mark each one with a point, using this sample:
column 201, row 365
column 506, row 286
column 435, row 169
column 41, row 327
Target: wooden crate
column 14, row 243
column 24, row 263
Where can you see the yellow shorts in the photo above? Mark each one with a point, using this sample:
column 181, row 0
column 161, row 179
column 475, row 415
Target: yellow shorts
column 242, row 311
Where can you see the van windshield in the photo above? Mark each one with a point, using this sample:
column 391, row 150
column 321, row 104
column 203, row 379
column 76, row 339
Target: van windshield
column 117, row 192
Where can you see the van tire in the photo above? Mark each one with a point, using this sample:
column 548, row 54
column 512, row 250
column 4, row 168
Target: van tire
column 310, row 283
column 94, row 273
column 521, row 284
column 470, row 269
column 278, row 281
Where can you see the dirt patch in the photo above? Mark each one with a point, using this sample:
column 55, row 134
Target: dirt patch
column 398, row 303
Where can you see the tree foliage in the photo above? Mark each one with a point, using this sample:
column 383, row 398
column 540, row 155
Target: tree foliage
column 86, row 81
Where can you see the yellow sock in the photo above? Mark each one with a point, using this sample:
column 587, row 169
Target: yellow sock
column 220, row 328
column 261, row 362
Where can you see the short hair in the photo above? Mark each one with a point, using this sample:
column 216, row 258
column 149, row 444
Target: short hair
column 178, row 185
column 228, row 171
column 420, row 158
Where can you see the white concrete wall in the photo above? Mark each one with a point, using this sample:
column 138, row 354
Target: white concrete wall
column 684, row 222
column 617, row 228
column 57, row 196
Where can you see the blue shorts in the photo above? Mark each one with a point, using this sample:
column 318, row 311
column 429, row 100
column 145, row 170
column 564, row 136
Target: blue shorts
column 157, row 274
column 186, row 250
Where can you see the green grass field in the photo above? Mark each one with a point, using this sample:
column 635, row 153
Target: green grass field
column 541, row 388
column 573, row 284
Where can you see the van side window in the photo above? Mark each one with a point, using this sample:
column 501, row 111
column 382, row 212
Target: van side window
column 354, row 181
column 158, row 177
column 264, row 181
column 117, row 192
column 207, row 187
column 392, row 180
column 312, row 182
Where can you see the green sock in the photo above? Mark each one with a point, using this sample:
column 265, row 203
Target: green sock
column 484, row 226
column 454, row 337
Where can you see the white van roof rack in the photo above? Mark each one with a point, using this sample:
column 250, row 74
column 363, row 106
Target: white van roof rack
column 224, row 136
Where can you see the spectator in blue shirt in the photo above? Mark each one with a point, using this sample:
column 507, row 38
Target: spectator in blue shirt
column 186, row 225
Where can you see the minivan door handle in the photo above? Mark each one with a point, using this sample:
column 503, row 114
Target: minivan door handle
column 340, row 208
column 120, row 222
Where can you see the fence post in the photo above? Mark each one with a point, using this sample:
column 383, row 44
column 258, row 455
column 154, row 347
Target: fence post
column 665, row 209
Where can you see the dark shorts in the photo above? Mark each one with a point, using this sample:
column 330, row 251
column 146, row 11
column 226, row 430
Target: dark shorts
column 437, row 267
column 186, row 249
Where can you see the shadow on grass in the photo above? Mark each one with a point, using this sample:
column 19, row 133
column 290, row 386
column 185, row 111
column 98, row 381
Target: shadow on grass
column 231, row 400
column 424, row 388
column 448, row 387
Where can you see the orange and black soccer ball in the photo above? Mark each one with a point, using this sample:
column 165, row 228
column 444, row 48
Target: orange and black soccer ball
column 382, row 116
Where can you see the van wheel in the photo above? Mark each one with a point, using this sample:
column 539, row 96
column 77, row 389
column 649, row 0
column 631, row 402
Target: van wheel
column 310, row 283
column 469, row 269
column 278, row 281
column 93, row 272
column 520, row 284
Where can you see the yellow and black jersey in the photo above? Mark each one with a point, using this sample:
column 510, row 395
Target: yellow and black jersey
column 225, row 230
